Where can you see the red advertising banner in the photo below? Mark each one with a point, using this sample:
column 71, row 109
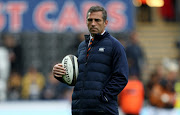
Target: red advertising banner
column 61, row 16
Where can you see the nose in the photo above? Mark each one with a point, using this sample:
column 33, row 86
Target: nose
column 93, row 22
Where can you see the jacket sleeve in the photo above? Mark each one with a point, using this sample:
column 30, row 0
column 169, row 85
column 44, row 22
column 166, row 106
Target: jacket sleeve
column 119, row 76
column 60, row 79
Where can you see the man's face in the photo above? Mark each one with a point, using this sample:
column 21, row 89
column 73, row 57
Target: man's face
column 95, row 23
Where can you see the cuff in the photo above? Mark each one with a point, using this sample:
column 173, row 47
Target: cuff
column 104, row 97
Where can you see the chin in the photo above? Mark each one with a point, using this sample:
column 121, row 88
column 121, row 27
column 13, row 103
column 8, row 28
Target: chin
column 94, row 33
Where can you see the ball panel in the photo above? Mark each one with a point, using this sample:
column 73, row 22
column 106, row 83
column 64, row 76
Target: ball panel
column 67, row 65
column 76, row 66
column 70, row 63
column 74, row 60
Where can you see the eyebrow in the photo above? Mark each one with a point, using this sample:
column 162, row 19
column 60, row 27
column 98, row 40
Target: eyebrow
column 90, row 19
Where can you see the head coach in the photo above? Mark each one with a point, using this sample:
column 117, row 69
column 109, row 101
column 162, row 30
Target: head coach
column 103, row 69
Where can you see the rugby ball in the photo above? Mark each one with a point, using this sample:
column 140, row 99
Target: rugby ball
column 70, row 64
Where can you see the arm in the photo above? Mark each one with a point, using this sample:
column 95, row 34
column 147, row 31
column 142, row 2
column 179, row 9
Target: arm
column 119, row 76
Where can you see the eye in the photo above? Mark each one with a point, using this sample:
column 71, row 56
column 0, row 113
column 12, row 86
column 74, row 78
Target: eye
column 97, row 20
column 89, row 20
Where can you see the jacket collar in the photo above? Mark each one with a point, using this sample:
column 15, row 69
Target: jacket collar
column 97, row 37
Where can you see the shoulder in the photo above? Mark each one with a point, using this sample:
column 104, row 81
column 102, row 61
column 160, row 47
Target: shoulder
column 118, row 49
column 116, row 44
column 82, row 45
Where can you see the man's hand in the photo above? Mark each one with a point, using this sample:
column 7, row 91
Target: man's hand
column 58, row 70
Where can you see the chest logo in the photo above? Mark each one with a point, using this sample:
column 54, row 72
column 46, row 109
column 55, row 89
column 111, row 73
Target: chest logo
column 101, row 49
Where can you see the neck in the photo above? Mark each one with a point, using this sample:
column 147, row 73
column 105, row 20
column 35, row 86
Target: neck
column 98, row 33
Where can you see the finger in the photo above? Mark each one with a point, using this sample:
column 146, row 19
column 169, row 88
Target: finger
column 59, row 67
column 59, row 70
column 57, row 75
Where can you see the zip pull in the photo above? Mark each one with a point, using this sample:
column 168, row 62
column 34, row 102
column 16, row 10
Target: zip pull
column 86, row 63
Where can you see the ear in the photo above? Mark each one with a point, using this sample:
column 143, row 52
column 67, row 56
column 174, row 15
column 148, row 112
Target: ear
column 105, row 23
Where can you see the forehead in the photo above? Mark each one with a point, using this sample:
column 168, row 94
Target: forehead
column 95, row 15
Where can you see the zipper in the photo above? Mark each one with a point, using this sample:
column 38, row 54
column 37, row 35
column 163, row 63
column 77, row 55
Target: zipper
column 85, row 70
column 85, row 75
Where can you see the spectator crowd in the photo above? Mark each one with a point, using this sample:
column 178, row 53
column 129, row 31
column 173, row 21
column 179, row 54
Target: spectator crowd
column 33, row 85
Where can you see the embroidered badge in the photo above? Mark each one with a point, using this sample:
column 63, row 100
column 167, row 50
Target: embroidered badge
column 101, row 49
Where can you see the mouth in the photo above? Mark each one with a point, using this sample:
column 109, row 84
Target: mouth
column 93, row 29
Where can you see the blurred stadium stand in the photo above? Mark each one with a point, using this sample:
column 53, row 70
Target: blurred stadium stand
column 43, row 50
column 158, row 38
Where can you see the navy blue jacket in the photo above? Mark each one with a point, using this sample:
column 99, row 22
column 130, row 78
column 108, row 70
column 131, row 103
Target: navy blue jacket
column 101, row 77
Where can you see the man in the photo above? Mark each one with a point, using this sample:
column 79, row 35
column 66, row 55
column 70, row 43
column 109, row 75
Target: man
column 4, row 72
column 103, row 69
column 135, row 56
column 131, row 99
